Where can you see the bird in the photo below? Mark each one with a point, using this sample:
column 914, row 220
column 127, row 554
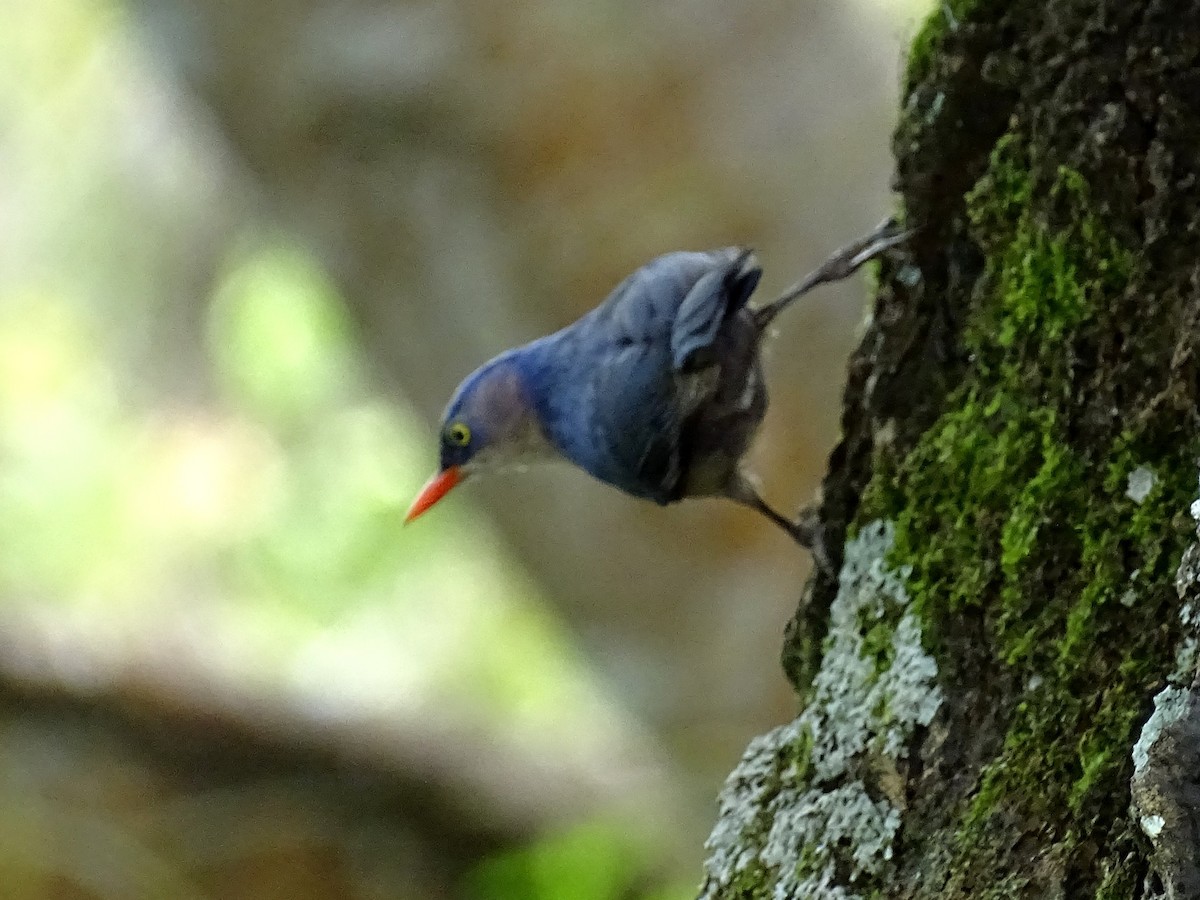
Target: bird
column 658, row 391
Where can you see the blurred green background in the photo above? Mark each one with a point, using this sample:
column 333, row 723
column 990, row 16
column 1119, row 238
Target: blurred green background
column 246, row 252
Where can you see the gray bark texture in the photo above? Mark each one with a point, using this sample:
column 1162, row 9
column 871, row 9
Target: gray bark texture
column 999, row 688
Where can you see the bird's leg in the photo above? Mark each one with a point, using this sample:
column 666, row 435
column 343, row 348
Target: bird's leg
column 841, row 265
column 805, row 530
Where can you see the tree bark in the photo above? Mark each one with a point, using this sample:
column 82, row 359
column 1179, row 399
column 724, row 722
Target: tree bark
column 1012, row 636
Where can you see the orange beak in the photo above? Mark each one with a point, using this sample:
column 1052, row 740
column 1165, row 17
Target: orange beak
column 435, row 489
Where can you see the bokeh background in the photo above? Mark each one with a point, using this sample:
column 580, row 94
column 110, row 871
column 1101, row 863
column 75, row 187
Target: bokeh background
column 247, row 249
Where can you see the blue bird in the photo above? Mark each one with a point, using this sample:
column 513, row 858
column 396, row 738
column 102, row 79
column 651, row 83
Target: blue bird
column 658, row 391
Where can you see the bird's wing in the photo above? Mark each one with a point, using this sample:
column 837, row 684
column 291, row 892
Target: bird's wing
column 637, row 422
column 716, row 294
column 655, row 329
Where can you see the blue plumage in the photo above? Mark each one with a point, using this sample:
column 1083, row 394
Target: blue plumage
column 658, row 391
column 618, row 390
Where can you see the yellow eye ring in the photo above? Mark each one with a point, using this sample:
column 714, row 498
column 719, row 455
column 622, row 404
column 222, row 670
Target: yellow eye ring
column 458, row 433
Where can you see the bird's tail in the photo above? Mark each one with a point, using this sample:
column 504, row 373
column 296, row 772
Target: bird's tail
column 842, row 264
column 742, row 277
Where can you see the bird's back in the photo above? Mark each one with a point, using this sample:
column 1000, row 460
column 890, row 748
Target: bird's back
column 656, row 389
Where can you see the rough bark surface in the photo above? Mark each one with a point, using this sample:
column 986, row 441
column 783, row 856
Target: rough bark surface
column 1166, row 757
column 1011, row 494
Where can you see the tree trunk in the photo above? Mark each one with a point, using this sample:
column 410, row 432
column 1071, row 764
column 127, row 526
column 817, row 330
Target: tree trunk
column 1012, row 638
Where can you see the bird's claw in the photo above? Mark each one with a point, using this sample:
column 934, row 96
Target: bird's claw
column 849, row 259
column 808, row 532
column 839, row 266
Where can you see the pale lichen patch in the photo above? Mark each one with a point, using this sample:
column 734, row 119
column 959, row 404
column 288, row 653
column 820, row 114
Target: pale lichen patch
column 1169, row 706
column 742, row 801
column 1185, row 657
column 1152, row 825
column 1187, row 585
column 799, row 809
column 1140, row 484
column 1165, row 757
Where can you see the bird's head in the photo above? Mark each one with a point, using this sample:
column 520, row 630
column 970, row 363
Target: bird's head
column 490, row 425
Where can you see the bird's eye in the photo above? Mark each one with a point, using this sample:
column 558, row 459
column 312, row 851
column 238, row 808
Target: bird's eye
column 459, row 434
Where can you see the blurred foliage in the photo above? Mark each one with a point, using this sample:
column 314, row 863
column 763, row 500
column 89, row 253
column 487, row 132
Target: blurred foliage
column 251, row 526
column 258, row 532
column 280, row 503
column 595, row 861
column 283, row 507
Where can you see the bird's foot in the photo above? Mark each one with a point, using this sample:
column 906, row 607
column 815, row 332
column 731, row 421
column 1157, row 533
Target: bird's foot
column 849, row 259
column 806, row 529
column 839, row 266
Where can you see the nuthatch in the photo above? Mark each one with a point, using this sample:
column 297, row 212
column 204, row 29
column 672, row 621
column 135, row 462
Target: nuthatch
column 658, row 391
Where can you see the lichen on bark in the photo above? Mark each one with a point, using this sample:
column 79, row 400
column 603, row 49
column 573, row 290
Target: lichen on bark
column 812, row 810
column 1166, row 756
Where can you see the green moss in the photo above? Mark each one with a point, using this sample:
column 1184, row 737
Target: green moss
column 809, row 862
column 754, row 882
column 929, row 37
column 878, row 646
column 799, row 754
column 1005, row 509
column 1119, row 879
column 878, row 629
